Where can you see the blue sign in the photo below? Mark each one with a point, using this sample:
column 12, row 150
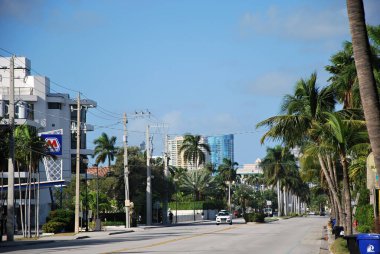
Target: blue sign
column 54, row 143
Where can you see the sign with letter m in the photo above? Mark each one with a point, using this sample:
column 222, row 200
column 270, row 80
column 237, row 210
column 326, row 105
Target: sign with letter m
column 54, row 143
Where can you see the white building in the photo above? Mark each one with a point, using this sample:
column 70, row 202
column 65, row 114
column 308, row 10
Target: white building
column 176, row 159
column 37, row 106
column 250, row 169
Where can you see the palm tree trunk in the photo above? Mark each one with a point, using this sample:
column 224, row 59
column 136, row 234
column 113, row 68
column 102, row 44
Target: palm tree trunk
column 347, row 195
column 278, row 198
column 367, row 85
column 331, row 186
column 284, row 202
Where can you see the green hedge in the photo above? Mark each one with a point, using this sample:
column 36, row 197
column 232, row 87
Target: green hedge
column 59, row 220
column 186, row 205
column 198, row 205
column 365, row 218
column 53, row 227
column 254, row 217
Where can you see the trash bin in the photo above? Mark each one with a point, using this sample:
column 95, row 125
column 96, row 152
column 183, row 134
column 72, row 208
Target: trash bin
column 369, row 243
column 336, row 231
column 333, row 221
column 352, row 244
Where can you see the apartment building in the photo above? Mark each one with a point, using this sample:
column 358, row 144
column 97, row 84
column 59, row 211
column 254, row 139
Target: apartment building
column 176, row 158
column 49, row 113
column 222, row 147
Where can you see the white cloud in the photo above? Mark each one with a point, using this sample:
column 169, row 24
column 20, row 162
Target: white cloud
column 302, row 23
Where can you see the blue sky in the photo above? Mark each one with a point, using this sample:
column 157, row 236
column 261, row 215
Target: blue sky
column 202, row 67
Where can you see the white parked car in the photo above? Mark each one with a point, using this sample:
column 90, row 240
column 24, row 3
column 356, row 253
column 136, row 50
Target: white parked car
column 223, row 217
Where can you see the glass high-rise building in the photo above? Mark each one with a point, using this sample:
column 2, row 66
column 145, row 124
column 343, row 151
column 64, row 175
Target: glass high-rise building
column 221, row 147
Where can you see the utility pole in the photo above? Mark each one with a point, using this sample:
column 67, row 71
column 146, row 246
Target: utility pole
column 77, row 171
column 126, row 174
column 166, row 178
column 148, row 181
column 11, row 176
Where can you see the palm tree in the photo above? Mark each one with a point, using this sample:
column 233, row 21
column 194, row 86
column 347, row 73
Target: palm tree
column 227, row 172
column 302, row 111
column 197, row 182
column 367, row 84
column 194, row 150
column 276, row 165
column 255, row 180
column 105, row 149
column 343, row 136
column 30, row 150
column 242, row 194
column 344, row 77
column 299, row 112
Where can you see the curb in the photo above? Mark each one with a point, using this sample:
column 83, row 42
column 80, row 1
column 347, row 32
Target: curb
column 121, row 232
column 82, row 237
column 17, row 243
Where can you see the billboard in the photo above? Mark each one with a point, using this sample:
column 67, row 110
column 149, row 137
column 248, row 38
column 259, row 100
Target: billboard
column 54, row 142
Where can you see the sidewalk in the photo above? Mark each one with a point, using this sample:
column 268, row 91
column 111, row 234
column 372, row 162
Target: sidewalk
column 107, row 230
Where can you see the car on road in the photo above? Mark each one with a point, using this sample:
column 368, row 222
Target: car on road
column 268, row 212
column 223, row 217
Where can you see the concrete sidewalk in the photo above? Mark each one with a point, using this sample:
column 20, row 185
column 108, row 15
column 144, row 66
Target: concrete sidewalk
column 107, row 230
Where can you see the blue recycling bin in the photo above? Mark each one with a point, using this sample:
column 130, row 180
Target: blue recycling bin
column 333, row 221
column 368, row 243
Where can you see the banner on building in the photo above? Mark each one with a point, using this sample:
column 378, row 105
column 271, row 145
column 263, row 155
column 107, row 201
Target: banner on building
column 54, row 141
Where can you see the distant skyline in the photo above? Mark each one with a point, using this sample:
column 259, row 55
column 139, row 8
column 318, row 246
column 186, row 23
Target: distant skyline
column 209, row 67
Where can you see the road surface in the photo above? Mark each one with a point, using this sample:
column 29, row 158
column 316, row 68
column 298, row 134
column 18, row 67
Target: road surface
column 292, row 236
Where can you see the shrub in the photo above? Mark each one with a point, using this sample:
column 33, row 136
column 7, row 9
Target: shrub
column 254, row 217
column 53, row 227
column 60, row 218
column 365, row 218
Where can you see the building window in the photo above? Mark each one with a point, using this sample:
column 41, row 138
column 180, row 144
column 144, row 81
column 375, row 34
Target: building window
column 54, row 105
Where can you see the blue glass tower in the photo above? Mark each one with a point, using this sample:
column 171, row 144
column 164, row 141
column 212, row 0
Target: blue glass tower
column 221, row 147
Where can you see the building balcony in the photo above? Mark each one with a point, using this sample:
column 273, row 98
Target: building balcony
column 21, row 94
column 83, row 151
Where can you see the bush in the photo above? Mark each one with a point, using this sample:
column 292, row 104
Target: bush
column 365, row 218
column 254, row 217
column 53, row 227
column 59, row 218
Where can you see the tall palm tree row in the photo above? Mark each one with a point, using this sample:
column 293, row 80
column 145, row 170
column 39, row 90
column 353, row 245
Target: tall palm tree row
column 280, row 170
column 306, row 110
column 308, row 120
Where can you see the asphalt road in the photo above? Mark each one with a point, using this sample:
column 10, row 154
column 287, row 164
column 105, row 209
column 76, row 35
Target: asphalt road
column 293, row 236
